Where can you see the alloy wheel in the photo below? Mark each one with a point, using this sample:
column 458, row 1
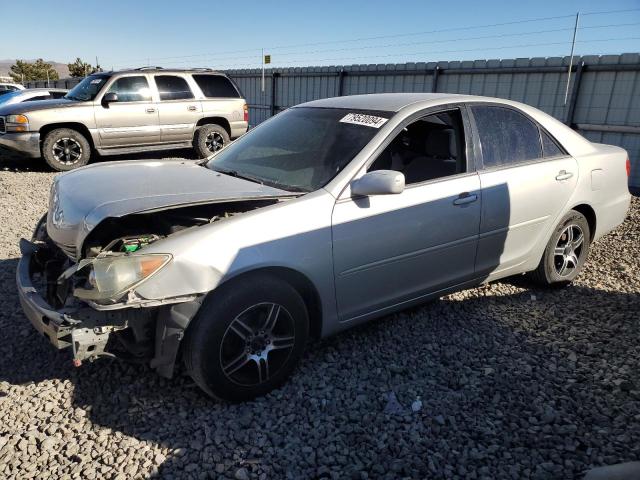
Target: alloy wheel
column 214, row 141
column 257, row 344
column 67, row 151
column 566, row 254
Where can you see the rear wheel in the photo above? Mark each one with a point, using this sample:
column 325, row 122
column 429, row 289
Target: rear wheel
column 65, row 149
column 566, row 252
column 247, row 338
column 208, row 139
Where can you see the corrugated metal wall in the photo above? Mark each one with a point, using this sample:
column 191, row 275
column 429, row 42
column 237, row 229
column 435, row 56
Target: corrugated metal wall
column 603, row 104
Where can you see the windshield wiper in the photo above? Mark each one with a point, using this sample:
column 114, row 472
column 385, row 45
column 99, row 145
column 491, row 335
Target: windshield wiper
column 235, row 173
column 71, row 97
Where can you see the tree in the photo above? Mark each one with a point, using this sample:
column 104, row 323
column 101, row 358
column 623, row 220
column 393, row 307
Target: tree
column 27, row 71
column 82, row 69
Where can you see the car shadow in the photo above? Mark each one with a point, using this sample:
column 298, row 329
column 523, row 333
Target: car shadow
column 520, row 372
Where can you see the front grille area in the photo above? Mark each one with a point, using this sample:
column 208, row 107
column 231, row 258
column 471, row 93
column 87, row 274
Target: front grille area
column 3, row 129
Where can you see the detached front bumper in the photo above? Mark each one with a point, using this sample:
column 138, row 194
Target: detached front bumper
column 27, row 143
column 56, row 325
column 154, row 334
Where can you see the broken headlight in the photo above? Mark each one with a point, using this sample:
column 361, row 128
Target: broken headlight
column 109, row 277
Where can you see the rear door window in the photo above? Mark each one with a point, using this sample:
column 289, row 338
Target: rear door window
column 171, row 87
column 506, row 136
column 216, row 86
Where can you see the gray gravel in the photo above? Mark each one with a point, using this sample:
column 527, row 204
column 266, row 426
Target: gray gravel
column 502, row 381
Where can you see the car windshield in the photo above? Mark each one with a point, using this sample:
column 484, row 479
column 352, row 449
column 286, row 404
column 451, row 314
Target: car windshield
column 301, row 149
column 88, row 88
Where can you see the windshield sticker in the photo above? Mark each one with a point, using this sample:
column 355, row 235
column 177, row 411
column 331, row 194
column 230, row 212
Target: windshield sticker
column 366, row 120
column 96, row 80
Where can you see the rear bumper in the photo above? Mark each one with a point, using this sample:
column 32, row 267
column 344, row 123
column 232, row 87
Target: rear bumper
column 238, row 128
column 27, row 144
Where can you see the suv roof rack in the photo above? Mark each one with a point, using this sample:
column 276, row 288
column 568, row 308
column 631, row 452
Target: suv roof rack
column 202, row 69
column 149, row 68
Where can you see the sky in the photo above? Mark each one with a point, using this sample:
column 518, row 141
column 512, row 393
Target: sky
column 226, row 35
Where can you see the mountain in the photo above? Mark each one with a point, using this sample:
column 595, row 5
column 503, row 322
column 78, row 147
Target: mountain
column 61, row 68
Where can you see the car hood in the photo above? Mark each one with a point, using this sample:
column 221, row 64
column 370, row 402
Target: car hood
column 25, row 107
column 83, row 198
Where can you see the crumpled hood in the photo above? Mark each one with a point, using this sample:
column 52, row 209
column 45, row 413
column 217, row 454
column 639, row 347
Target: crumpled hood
column 83, row 198
column 26, row 107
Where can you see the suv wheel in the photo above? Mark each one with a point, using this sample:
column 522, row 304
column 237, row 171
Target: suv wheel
column 65, row 149
column 247, row 338
column 208, row 139
column 566, row 252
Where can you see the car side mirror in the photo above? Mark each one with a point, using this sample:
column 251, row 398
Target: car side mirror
column 109, row 98
column 378, row 182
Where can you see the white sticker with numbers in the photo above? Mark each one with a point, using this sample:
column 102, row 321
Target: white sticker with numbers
column 362, row 119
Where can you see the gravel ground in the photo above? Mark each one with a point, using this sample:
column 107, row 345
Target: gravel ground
column 501, row 381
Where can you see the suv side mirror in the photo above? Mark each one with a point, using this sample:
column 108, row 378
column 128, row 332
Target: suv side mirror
column 109, row 98
column 378, row 182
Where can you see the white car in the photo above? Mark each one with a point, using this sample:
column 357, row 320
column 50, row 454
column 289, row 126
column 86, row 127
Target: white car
column 327, row 215
column 10, row 87
column 31, row 95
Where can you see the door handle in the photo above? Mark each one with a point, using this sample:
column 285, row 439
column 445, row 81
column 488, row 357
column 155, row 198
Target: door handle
column 151, row 110
column 563, row 175
column 465, row 198
column 192, row 108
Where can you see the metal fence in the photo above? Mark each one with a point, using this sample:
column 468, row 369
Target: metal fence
column 603, row 102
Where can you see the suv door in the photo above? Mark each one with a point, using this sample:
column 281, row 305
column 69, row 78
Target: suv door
column 178, row 109
column 389, row 249
column 524, row 186
column 133, row 119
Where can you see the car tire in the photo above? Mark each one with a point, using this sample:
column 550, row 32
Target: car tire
column 65, row 149
column 566, row 253
column 208, row 139
column 247, row 338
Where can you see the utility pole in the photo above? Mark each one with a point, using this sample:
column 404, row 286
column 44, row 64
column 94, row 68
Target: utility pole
column 262, row 61
column 47, row 78
column 573, row 46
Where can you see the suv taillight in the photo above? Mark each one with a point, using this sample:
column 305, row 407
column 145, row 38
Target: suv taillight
column 628, row 167
column 245, row 107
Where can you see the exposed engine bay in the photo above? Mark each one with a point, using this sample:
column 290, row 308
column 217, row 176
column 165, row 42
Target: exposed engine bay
column 95, row 323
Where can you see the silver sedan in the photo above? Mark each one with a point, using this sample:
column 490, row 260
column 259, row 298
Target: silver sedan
column 328, row 215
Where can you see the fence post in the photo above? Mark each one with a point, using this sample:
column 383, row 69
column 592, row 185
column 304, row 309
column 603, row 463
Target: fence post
column 574, row 94
column 434, row 79
column 341, row 82
column 274, row 75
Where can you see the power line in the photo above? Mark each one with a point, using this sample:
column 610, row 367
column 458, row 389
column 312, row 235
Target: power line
column 354, row 40
column 445, row 51
column 406, row 44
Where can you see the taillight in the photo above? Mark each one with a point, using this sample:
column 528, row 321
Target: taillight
column 628, row 167
column 246, row 112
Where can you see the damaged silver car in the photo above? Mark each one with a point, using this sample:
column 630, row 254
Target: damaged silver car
column 325, row 216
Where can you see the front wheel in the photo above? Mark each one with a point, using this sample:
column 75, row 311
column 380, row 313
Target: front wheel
column 247, row 338
column 208, row 139
column 65, row 149
column 566, row 252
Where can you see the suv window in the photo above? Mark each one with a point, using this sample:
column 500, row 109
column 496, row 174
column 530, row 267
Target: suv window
column 216, row 86
column 429, row 148
column 131, row 89
column 173, row 88
column 506, row 136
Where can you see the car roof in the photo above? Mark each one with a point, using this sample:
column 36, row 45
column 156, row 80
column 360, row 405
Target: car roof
column 388, row 102
column 162, row 70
